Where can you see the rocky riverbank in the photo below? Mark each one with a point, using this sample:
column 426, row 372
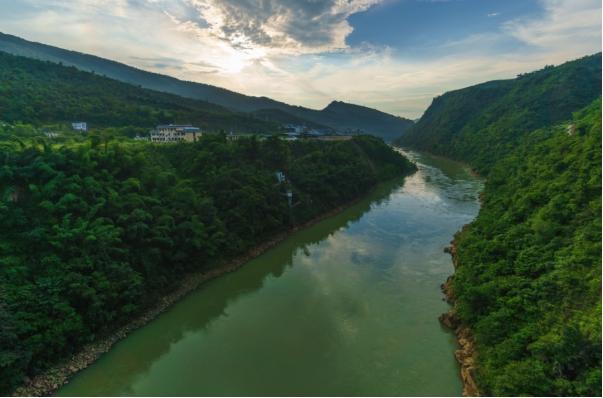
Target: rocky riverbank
column 47, row 383
column 466, row 353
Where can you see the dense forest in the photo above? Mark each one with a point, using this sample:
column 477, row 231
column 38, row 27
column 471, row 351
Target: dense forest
column 528, row 277
column 483, row 123
column 95, row 231
column 40, row 93
column 528, row 280
column 337, row 115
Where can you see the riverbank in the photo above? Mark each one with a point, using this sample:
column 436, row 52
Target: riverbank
column 48, row 382
column 467, row 166
column 466, row 353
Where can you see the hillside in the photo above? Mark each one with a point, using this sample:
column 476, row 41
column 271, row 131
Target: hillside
column 483, row 123
column 39, row 92
column 281, row 117
column 94, row 234
column 528, row 269
column 528, row 278
column 337, row 115
column 355, row 117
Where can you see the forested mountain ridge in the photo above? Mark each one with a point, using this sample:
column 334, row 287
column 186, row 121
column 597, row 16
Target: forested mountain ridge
column 528, row 276
column 351, row 117
column 528, row 269
column 337, row 115
column 483, row 123
column 40, row 92
column 94, row 233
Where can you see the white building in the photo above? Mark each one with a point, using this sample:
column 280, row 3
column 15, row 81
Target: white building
column 79, row 126
column 280, row 176
column 175, row 133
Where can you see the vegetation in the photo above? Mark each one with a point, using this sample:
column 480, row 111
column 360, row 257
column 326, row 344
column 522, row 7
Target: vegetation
column 528, row 278
column 337, row 115
column 529, row 275
column 96, row 230
column 484, row 123
column 344, row 116
column 39, row 93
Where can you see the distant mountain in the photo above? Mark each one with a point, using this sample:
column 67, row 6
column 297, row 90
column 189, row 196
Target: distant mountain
column 483, row 123
column 41, row 92
column 337, row 115
column 351, row 117
column 282, row 118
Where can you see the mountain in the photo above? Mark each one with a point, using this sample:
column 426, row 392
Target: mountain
column 40, row 92
column 336, row 115
column 355, row 117
column 482, row 123
column 527, row 281
column 528, row 269
column 282, row 117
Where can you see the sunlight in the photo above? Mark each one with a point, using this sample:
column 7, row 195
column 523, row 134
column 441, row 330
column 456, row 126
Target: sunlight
column 237, row 59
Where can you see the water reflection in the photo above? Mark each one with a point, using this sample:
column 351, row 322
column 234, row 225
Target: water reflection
column 346, row 307
column 208, row 303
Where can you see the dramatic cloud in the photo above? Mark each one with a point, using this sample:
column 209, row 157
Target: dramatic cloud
column 298, row 50
column 284, row 26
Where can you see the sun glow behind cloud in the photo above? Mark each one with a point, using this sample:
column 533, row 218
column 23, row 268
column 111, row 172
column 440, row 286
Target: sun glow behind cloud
column 297, row 51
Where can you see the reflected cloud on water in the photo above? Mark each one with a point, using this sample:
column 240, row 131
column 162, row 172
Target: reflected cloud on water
column 346, row 303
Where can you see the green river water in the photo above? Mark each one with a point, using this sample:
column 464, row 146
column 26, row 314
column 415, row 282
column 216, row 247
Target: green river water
column 348, row 306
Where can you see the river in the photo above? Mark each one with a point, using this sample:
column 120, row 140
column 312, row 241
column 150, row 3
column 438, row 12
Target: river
column 348, row 306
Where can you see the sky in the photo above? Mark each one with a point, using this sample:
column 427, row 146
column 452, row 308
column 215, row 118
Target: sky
column 392, row 55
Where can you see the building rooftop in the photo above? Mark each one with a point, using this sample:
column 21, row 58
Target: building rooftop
column 167, row 126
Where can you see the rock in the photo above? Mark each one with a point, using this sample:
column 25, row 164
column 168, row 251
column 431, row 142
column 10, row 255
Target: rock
column 449, row 320
column 465, row 356
column 447, row 289
column 469, row 386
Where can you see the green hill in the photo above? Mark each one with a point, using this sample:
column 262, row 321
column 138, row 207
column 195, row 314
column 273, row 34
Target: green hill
column 528, row 278
column 482, row 123
column 337, row 115
column 528, row 269
column 40, row 92
column 355, row 117
column 281, row 117
column 93, row 234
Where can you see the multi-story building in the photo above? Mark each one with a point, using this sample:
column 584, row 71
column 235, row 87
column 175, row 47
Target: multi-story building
column 175, row 133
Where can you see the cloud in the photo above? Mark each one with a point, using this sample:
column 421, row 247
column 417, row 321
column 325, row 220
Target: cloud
column 282, row 26
column 296, row 50
column 567, row 24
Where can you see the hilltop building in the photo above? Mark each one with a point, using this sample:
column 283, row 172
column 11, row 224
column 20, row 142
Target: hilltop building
column 165, row 133
column 79, row 126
